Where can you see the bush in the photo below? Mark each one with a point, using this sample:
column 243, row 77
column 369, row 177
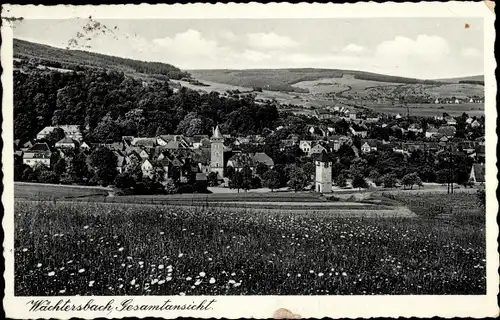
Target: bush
column 186, row 188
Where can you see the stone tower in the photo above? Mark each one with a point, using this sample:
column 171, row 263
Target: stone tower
column 323, row 173
column 217, row 153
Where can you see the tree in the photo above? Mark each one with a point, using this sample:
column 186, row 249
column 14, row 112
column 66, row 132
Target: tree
column 124, row 181
column 48, row 176
column 170, row 186
column 261, row 169
column 246, row 178
column 298, row 179
column 236, row 181
column 102, row 162
column 60, row 166
column 411, row 179
column 212, row 179
column 359, row 182
column 341, row 180
column 309, row 169
column 56, row 135
column 271, row 180
column 389, row 180
column 481, row 197
column 228, row 172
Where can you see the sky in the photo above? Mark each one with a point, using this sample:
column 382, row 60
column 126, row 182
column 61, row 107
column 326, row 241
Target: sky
column 426, row 48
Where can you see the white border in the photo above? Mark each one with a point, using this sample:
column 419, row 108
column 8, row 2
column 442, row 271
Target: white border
column 265, row 306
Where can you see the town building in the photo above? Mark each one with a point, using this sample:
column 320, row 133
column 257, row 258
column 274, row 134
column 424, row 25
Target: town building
column 323, row 174
column 39, row 153
column 66, row 143
column 71, row 131
column 217, row 153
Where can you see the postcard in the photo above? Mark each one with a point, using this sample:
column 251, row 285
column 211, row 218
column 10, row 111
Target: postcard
column 250, row 160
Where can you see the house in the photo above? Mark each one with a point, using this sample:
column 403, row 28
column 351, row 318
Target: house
column 27, row 145
column 120, row 161
column 318, row 148
column 71, row 131
column 475, row 124
column 399, row 116
column 38, row 153
column 438, row 118
column 66, row 143
column 469, row 120
column 197, row 141
column 415, row 128
column 284, row 144
column 305, row 146
column 368, row 146
column 143, row 142
column 147, row 168
column 431, row 132
column 241, row 140
column 261, row 157
column 447, row 131
column 450, row 121
column 323, row 114
column 477, row 173
column 144, row 154
column 84, row 146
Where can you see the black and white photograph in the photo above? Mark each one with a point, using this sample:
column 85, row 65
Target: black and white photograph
column 339, row 156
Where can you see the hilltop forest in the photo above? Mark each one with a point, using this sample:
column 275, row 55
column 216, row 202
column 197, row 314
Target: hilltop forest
column 111, row 105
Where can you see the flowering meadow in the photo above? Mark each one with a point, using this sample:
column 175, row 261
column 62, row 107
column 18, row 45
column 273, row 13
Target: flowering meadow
column 111, row 249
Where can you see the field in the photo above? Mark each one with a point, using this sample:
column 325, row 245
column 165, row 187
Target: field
column 47, row 191
column 96, row 249
column 430, row 109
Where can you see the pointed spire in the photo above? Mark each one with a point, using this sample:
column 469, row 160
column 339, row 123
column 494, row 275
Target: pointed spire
column 217, row 133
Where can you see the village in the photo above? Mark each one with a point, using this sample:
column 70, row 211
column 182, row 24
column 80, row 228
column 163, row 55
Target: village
column 192, row 163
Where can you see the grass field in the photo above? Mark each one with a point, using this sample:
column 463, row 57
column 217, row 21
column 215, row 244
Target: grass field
column 430, row 110
column 95, row 249
column 46, row 191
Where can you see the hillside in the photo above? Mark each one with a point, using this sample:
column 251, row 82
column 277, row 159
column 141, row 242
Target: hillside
column 471, row 79
column 283, row 79
column 76, row 59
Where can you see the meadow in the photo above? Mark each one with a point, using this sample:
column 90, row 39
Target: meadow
column 95, row 249
column 52, row 191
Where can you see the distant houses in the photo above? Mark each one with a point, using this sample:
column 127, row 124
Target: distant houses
column 71, row 131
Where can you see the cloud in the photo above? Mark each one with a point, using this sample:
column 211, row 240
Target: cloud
column 268, row 41
column 471, row 53
column 256, row 56
column 424, row 47
column 190, row 42
column 353, row 48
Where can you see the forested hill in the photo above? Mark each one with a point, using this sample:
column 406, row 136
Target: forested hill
column 77, row 60
column 283, row 79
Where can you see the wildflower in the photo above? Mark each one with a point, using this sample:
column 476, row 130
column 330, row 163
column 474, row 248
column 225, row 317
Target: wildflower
column 132, row 282
column 162, row 233
column 62, row 291
column 51, row 274
column 61, row 269
column 202, row 274
column 344, row 274
column 85, row 227
column 212, row 280
column 91, row 283
column 141, row 262
column 120, row 286
column 233, row 274
column 154, row 281
column 182, row 294
column 320, row 274
column 25, row 249
column 198, row 282
column 311, row 271
column 231, row 282
column 180, row 255
column 237, row 284
column 161, row 282
column 81, row 270
column 39, row 265
column 209, row 259
column 299, row 275
column 189, row 279
column 120, row 249
column 168, row 278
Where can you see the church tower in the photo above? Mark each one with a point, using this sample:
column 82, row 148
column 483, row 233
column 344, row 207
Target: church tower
column 324, row 173
column 217, row 153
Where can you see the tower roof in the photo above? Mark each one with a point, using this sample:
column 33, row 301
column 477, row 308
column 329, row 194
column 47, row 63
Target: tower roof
column 217, row 133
